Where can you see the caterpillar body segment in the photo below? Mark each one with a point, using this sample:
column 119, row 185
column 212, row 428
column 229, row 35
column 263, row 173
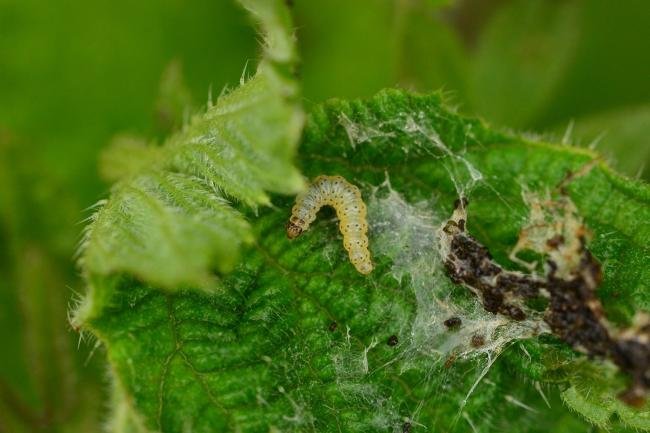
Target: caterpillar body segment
column 350, row 209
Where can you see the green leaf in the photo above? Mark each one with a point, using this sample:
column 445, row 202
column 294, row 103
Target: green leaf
column 171, row 220
column 123, row 418
column 297, row 340
column 521, row 59
column 126, row 156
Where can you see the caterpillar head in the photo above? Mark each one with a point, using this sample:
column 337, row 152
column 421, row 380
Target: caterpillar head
column 293, row 230
column 364, row 267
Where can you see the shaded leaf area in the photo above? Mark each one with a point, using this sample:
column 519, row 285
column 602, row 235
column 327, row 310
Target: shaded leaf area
column 295, row 339
column 171, row 221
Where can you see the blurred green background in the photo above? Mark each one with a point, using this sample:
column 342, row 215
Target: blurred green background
column 74, row 73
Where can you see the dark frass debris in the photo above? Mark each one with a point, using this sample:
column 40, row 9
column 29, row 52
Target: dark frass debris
column 453, row 322
column 478, row 340
column 572, row 275
column 392, row 340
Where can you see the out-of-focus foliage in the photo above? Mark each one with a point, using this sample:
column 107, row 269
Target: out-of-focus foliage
column 623, row 135
column 520, row 59
column 75, row 73
column 352, row 49
column 72, row 74
column 43, row 378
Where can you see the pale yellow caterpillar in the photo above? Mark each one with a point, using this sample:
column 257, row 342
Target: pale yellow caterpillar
column 346, row 200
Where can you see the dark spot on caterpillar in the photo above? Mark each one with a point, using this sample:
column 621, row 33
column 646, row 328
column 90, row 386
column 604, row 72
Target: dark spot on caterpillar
column 453, row 322
column 477, row 340
column 461, row 202
column 461, row 225
column 332, row 327
column 392, row 340
column 406, row 427
column 555, row 241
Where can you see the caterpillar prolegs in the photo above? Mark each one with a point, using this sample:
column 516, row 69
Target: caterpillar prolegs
column 346, row 200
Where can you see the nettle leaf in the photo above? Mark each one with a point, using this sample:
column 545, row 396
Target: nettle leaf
column 170, row 219
column 297, row 340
